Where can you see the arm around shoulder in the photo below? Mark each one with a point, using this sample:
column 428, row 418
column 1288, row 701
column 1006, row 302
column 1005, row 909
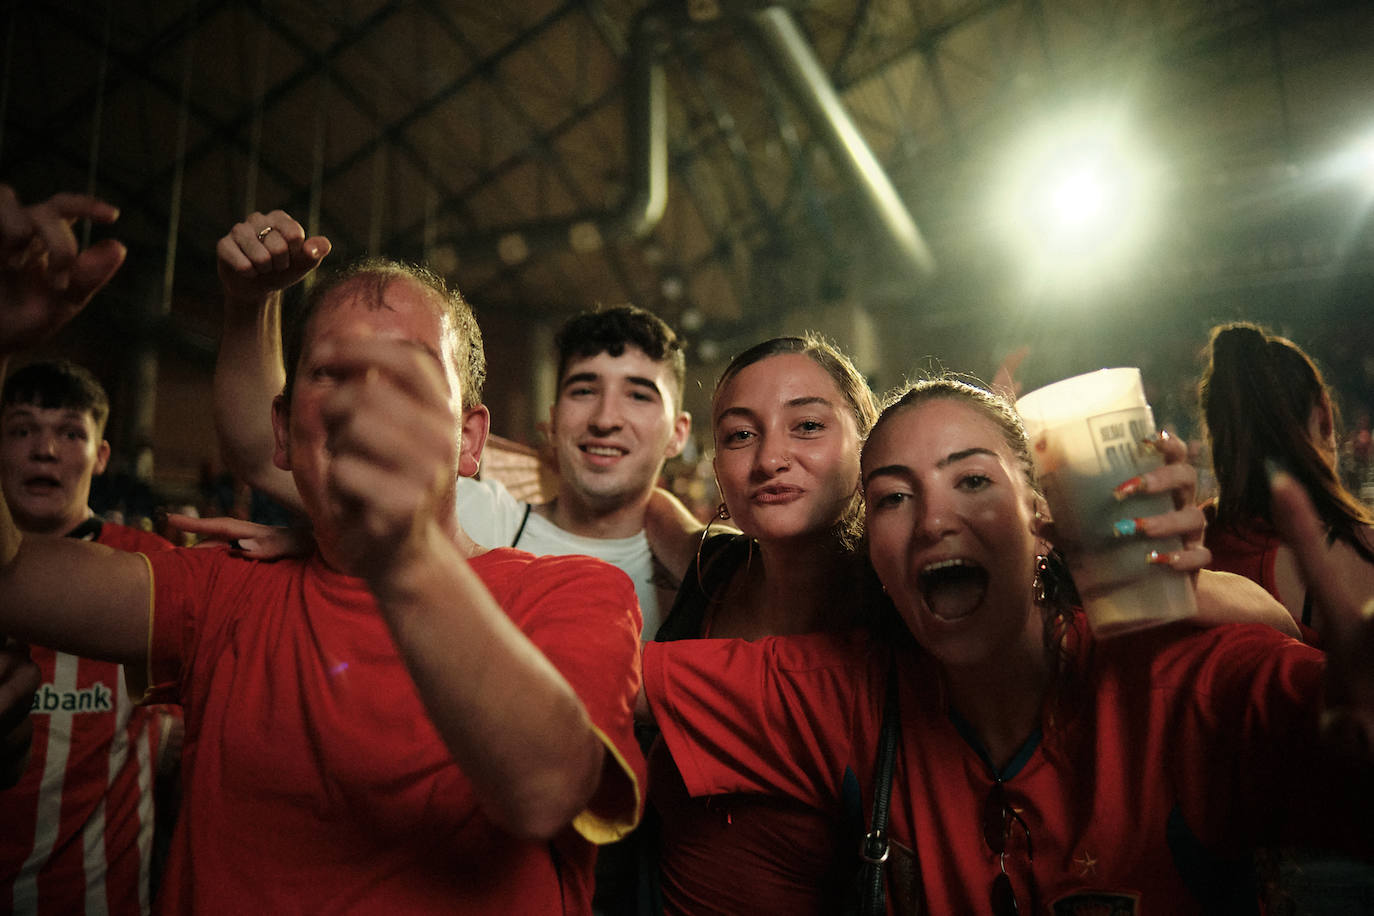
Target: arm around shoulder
column 1224, row 597
column 674, row 533
column 78, row 597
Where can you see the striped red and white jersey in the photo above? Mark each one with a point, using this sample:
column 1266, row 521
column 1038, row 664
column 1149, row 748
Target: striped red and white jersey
column 76, row 832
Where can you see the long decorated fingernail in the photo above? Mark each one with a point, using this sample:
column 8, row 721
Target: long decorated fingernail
column 1126, row 527
column 1155, row 443
column 1160, row 557
column 1129, row 488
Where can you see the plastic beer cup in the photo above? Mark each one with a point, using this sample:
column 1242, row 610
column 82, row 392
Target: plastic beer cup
column 1086, row 437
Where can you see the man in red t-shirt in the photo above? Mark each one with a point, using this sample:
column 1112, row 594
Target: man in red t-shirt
column 402, row 722
column 78, row 834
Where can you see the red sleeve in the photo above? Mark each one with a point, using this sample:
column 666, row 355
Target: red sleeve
column 777, row 716
column 181, row 579
column 583, row 615
column 1248, row 710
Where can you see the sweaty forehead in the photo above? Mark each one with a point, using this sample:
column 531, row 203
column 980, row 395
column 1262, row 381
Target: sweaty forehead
column 398, row 308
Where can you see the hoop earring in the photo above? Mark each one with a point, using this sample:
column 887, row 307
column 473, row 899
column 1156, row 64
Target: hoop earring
column 722, row 514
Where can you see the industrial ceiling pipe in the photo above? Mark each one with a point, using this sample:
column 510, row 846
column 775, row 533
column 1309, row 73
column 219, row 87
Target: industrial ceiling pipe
column 787, row 51
column 646, row 193
column 775, row 33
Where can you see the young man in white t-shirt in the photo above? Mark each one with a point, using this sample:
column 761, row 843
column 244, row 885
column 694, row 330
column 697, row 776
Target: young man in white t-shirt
column 615, row 420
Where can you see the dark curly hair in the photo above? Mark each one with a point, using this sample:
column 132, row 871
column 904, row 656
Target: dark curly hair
column 611, row 330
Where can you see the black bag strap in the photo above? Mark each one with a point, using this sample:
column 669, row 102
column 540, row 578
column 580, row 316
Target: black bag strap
column 524, row 519
column 874, row 850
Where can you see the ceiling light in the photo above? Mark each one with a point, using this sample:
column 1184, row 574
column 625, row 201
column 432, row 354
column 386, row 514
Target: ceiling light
column 1078, row 197
column 672, row 287
column 585, row 237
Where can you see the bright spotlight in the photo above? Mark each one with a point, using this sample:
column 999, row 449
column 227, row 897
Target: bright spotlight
column 1072, row 211
column 1350, row 166
column 1077, row 198
column 1364, row 162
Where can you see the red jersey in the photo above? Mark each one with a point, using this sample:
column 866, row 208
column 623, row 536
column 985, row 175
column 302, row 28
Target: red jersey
column 1250, row 550
column 314, row 781
column 78, row 827
column 725, row 853
column 1186, row 749
column 743, row 853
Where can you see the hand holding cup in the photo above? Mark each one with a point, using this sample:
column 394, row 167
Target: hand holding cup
column 1120, row 495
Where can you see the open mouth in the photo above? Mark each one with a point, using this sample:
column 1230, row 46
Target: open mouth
column 42, row 484
column 953, row 589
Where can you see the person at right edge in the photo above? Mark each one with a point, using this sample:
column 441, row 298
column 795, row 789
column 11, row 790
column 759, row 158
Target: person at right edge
column 1265, row 404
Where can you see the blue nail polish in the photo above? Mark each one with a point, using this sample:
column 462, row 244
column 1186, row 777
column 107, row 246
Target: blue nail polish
column 1125, row 527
